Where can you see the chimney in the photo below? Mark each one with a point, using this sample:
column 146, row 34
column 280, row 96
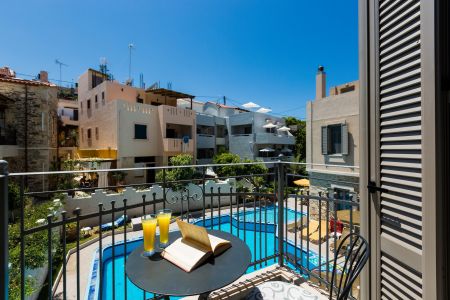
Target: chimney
column 321, row 83
column 43, row 76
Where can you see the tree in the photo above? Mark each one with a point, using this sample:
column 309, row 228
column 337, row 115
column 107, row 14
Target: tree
column 233, row 170
column 175, row 175
column 300, row 137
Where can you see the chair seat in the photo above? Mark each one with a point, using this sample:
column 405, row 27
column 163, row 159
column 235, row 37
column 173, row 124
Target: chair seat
column 279, row 290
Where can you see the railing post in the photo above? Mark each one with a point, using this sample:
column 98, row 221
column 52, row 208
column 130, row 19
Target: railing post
column 280, row 197
column 4, row 268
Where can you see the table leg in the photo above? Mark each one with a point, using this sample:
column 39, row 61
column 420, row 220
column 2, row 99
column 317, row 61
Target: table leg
column 203, row 296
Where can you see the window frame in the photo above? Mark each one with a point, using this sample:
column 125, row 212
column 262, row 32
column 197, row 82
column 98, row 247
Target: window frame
column 135, row 132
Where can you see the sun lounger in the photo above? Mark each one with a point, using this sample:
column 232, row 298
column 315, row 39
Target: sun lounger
column 321, row 234
column 119, row 222
column 313, row 227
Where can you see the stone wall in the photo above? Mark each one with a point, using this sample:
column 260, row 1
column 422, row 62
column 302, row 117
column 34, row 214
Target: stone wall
column 326, row 182
column 41, row 122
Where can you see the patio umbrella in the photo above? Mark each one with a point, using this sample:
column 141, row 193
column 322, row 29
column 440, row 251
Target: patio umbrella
column 302, row 182
column 284, row 128
column 250, row 105
column 266, row 150
column 269, row 125
column 286, row 150
column 263, row 110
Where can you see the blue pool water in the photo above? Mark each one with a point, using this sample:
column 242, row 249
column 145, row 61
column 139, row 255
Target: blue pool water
column 261, row 244
column 267, row 215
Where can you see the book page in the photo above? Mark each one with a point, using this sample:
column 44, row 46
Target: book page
column 218, row 244
column 184, row 254
column 195, row 234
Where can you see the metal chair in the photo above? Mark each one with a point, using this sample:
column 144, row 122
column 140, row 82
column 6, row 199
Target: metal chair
column 358, row 252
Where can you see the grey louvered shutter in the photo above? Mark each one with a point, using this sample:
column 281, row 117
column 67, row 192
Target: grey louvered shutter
column 324, row 140
column 344, row 139
column 400, row 148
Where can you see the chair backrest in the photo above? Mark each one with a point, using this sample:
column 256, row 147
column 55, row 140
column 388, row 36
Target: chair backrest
column 358, row 252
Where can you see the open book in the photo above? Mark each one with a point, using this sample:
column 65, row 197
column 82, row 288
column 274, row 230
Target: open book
column 195, row 246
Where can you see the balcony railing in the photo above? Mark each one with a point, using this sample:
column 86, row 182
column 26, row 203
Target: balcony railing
column 177, row 145
column 292, row 226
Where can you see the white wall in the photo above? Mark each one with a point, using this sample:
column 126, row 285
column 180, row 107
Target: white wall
column 133, row 196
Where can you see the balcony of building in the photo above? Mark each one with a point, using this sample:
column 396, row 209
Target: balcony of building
column 290, row 237
column 274, row 138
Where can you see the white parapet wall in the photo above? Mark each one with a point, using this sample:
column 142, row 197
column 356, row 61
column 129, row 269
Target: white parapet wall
column 178, row 201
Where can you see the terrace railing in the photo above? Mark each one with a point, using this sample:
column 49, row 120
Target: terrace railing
column 282, row 223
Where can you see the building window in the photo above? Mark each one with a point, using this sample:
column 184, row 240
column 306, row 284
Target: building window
column 43, row 121
column 343, row 195
column 241, row 129
column 103, row 98
column 89, row 134
column 96, row 99
column 2, row 123
column 89, row 104
column 139, row 99
column 96, row 133
column 82, row 134
column 140, row 132
column 81, row 106
column 335, row 139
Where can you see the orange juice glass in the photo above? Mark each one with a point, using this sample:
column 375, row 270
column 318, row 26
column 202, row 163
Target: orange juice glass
column 164, row 216
column 149, row 223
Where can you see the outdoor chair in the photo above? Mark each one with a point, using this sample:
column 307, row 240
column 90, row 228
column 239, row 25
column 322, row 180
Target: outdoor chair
column 358, row 252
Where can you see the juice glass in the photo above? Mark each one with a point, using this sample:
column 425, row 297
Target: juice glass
column 149, row 223
column 164, row 216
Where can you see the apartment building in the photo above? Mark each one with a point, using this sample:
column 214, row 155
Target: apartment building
column 212, row 129
column 126, row 126
column 332, row 135
column 251, row 135
column 28, row 125
column 67, row 123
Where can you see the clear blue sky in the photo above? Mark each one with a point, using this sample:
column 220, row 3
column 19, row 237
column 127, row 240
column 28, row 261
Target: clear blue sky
column 248, row 50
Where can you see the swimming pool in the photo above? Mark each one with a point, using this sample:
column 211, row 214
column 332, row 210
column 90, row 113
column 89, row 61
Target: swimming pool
column 261, row 243
column 267, row 214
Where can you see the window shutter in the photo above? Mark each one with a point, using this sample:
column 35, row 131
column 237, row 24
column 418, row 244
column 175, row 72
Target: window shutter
column 324, row 140
column 344, row 139
column 399, row 146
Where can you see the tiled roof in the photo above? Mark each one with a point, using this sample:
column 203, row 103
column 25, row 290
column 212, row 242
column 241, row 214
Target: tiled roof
column 26, row 81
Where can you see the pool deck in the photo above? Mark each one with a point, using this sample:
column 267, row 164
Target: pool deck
column 89, row 249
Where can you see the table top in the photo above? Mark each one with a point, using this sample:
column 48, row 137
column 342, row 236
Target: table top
column 157, row 275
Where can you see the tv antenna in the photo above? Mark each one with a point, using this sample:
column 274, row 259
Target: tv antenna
column 61, row 64
column 130, row 47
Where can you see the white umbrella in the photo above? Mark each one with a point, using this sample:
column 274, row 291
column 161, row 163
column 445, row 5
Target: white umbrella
column 266, row 150
column 250, row 105
column 269, row 125
column 284, row 128
column 263, row 110
column 286, row 150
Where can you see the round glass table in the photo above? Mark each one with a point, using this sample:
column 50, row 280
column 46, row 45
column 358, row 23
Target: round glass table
column 159, row 276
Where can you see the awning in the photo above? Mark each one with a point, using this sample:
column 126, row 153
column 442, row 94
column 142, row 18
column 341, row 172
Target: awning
column 284, row 128
column 250, row 105
column 269, row 125
column 267, row 150
column 263, row 110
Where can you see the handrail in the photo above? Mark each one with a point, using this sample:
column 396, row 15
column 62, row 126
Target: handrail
column 176, row 167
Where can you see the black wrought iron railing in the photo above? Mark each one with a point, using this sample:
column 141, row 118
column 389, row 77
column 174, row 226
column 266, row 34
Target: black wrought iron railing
column 58, row 248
